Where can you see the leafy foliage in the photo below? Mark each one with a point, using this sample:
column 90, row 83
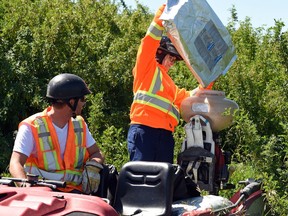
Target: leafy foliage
column 258, row 82
column 98, row 41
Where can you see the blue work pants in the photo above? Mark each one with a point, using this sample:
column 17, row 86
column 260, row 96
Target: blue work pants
column 150, row 144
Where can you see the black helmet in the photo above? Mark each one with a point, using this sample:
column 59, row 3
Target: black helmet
column 66, row 86
column 166, row 47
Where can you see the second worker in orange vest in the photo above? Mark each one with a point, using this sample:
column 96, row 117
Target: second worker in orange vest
column 56, row 144
column 155, row 109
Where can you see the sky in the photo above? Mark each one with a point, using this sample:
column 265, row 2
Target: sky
column 262, row 13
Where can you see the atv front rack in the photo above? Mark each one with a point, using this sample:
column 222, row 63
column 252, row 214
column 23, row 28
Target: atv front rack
column 33, row 180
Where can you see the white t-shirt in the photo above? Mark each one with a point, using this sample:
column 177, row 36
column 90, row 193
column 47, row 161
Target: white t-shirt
column 25, row 142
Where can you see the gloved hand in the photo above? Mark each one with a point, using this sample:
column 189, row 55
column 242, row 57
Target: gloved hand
column 91, row 177
column 158, row 14
column 194, row 91
column 209, row 87
column 200, row 87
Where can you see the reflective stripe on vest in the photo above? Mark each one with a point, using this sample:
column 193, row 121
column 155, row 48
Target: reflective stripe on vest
column 49, row 154
column 156, row 84
column 150, row 98
column 80, row 153
column 155, row 31
column 50, row 158
column 70, row 177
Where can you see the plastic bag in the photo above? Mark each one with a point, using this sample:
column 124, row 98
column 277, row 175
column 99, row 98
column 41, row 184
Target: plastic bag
column 200, row 203
column 200, row 37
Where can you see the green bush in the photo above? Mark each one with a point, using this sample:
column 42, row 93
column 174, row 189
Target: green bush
column 98, row 40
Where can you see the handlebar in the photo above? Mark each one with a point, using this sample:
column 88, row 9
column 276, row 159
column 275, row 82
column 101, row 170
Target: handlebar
column 33, row 181
column 249, row 181
column 251, row 187
column 61, row 184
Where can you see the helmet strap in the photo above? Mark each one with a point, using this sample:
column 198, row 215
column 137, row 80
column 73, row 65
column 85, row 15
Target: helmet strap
column 73, row 108
column 160, row 55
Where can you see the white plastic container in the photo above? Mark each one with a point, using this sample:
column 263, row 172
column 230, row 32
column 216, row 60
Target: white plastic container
column 212, row 105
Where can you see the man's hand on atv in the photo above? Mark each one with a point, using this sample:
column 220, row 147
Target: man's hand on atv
column 91, row 177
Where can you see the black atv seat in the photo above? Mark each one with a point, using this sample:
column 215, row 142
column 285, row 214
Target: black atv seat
column 145, row 187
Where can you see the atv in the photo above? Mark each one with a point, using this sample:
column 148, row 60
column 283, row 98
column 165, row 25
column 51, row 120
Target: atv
column 144, row 188
column 154, row 188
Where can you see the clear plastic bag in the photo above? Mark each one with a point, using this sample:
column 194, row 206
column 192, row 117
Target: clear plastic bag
column 200, row 37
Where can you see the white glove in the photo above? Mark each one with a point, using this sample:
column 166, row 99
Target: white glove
column 194, row 92
column 91, row 177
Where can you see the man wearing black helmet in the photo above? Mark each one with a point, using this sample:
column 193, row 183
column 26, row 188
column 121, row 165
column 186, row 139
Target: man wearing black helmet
column 155, row 109
column 56, row 144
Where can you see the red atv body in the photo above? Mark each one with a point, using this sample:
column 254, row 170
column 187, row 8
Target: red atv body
column 34, row 201
column 143, row 189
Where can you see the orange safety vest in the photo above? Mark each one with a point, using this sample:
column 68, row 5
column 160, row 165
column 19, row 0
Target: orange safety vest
column 157, row 99
column 48, row 162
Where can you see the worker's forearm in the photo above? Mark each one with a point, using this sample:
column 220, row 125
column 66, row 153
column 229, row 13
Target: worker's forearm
column 17, row 171
column 98, row 157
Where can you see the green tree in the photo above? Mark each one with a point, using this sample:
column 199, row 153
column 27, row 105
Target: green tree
column 97, row 40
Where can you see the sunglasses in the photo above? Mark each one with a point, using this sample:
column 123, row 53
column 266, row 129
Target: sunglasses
column 172, row 59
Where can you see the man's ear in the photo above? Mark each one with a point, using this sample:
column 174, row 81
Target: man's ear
column 72, row 102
